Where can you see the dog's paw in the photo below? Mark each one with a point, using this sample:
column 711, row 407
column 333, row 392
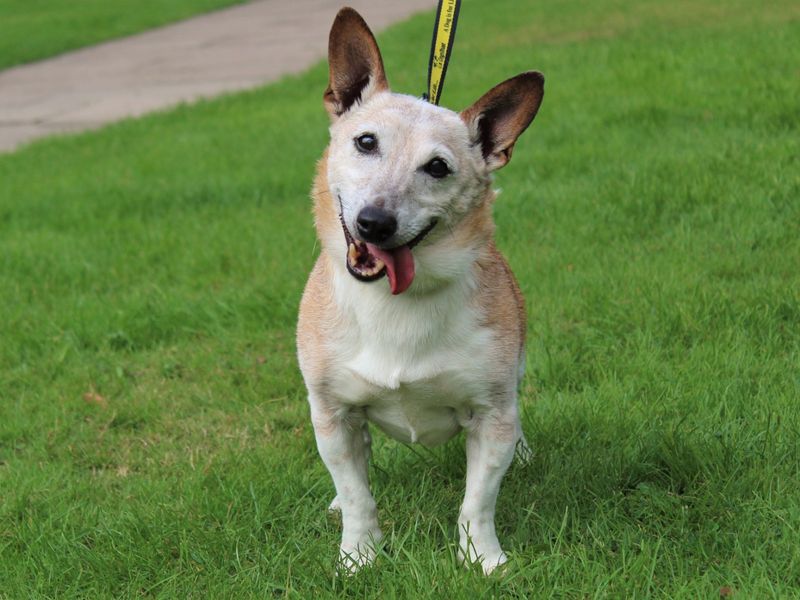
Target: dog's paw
column 335, row 505
column 353, row 557
column 490, row 562
column 477, row 545
column 494, row 563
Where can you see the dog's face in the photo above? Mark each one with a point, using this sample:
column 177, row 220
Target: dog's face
column 405, row 161
column 402, row 170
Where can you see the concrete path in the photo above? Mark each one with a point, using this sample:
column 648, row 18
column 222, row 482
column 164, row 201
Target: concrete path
column 227, row 50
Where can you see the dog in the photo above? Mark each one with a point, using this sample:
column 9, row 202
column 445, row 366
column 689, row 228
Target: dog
column 411, row 319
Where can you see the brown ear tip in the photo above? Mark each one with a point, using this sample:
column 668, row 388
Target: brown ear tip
column 346, row 11
column 533, row 78
column 348, row 14
column 347, row 21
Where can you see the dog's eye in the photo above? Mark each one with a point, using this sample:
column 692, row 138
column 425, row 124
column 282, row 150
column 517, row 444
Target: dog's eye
column 437, row 168
column 366, row 143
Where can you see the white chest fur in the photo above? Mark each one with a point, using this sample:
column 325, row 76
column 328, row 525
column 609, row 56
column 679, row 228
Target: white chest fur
column 414, row 363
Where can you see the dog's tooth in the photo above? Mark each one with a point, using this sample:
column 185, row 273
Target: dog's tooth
column 376, row 268
column 352, row 254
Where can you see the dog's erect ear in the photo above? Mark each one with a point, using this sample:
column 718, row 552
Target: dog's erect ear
column 356, row 67
column 502, row 114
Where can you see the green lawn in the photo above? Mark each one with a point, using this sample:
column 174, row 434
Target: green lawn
column 154, row 436
column 36, row 29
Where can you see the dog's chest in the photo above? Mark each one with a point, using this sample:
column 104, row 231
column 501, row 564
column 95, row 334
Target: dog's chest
column 416, row 368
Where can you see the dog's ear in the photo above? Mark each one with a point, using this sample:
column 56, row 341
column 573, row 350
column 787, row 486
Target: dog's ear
column 502, row 114
column 356, row 67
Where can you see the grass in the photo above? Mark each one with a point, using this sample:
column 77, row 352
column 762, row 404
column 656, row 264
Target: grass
column 35, row 29
column 154, row 437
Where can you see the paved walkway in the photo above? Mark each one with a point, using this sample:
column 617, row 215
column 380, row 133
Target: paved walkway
column 227, row 50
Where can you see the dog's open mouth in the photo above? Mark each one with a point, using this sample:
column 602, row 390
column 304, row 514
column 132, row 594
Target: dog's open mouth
column 368, row 262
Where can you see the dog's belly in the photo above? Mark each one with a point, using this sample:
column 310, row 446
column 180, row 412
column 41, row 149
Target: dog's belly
column 411, row 420
column 428, row 410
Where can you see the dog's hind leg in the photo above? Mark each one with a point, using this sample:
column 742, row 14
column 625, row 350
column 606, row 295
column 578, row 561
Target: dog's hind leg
column 522, row 452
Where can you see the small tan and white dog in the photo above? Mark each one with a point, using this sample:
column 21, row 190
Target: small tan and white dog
column 404, row 191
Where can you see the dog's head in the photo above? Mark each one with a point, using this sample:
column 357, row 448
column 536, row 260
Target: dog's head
column 402, row 171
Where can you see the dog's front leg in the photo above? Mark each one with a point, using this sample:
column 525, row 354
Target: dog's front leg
column 491, row 441
column 343, row 448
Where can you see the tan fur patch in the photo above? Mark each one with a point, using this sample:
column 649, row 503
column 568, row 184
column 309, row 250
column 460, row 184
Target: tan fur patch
column 317, row 312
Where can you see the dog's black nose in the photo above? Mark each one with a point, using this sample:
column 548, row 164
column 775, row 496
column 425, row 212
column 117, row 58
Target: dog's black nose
column 375, row 224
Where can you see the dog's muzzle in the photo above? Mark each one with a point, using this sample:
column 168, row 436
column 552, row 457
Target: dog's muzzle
column 369, row 262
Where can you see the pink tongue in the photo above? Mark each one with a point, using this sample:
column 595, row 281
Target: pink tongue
column 399, row 266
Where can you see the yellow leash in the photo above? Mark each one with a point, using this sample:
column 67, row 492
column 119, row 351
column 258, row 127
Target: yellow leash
column 444, row 32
